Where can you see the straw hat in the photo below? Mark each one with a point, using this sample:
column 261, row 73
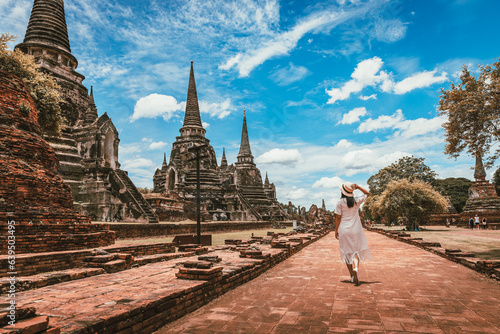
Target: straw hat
column 347, row 188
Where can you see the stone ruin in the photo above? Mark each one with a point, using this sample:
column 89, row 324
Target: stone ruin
column 88, row 148
column 320, row 215
column 483, row 199
column 32, row 194
column 228, row 192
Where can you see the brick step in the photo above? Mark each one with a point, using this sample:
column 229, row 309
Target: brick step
column 63, row 148
column 69, row 157
column 50, row 278
column 111, row 266
column 35, row 325
column 69, row 167
column 143, row 260
column 63, row 140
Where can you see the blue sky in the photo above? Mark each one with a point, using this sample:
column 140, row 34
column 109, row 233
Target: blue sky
column 334, row 90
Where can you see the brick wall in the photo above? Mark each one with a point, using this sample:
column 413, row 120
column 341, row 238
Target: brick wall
column 124, row 231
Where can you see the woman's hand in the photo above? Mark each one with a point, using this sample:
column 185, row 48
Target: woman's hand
column 337, row 234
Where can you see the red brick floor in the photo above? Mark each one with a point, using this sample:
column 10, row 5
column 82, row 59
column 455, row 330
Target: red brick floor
column 404, row 289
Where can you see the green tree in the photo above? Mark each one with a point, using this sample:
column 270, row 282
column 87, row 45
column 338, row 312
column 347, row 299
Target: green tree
column 413, row 201
column 472, row 108
column 42, row 86
column 409, row 168
column 456, row 188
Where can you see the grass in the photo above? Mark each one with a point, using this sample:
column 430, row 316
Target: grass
column 217, row 238
column 485, row 244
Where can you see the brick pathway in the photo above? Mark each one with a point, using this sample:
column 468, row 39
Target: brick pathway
column 404, row 289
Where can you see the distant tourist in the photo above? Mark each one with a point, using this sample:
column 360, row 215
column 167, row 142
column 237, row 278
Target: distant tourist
column 471, row 223
column 448, row 222
column 348, row 229
column 476, row 221
column 453, row 221
column 484, row 223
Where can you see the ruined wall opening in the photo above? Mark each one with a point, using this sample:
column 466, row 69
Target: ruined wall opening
column 171, row 180
column 109, row 149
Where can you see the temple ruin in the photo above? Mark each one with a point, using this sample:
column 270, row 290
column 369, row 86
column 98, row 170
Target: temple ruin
column 483, row 199
column 228, row 192
column 88, row 148
column 33, row 197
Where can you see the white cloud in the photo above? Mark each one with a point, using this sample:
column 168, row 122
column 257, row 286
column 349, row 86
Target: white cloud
column 282, row 43
column 219, row 110
column 382, row 122
column 368, row 74
column 155, row 105
column 157, row 145
column 137, row 163
column 419, row 80
column 328, row 182
column 405, row 128
column 421, row 126
column 389, row 31
column 371, row 97
column 288, row 75
column 343, row 143
column 363, row 159
column 353, row 116
column 297, row 193
column 280, row 156
column 364, row 75
column 205, row 125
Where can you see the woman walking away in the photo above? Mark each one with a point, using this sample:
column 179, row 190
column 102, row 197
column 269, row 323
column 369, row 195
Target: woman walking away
column 352, row 240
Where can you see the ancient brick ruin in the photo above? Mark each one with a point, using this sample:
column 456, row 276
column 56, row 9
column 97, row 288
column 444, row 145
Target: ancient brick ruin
column 88, row 148
column 228, row 192
column 483, row 199
column 32, row 194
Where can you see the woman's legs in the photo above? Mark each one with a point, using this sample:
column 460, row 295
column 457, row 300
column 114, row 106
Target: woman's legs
column 355, row 270
column 349, row 267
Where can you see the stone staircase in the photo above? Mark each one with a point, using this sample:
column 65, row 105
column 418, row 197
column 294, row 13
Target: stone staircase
column 71, row 167
column 136, row 196
column 248, row 205
column 207, row 178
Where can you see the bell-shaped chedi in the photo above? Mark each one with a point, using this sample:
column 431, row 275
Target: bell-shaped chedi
column 483, row 199
column 32, row 194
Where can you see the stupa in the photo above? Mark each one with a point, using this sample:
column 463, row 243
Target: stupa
column 483, row 199
column 88, row 147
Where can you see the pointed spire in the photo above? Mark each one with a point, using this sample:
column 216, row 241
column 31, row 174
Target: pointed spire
column 245, row 154
column 164, row 159
column 91, row 114
column 91, row 97
column 266, row 182
column 192, row 116
column 223, row 162
column 479, row 172
column 323, row 206
column 47, row 25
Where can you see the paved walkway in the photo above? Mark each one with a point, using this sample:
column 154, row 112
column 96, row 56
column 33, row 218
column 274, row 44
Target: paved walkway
column 404, row 289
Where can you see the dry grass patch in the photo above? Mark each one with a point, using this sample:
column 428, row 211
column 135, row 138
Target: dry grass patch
column 485, row 244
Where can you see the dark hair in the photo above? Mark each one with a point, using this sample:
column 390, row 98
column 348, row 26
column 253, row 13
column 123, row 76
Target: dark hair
column 350, row 200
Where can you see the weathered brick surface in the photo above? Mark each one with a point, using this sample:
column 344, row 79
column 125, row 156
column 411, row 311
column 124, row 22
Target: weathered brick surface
column 32, row 194
column 141, row 300
column 404, row 289
column 37, row 263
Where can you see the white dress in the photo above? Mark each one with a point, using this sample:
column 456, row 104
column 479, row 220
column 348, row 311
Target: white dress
column 352, row 239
